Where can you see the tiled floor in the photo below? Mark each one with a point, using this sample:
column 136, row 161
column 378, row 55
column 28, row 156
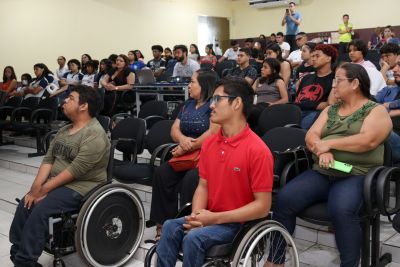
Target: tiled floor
column 17, row 171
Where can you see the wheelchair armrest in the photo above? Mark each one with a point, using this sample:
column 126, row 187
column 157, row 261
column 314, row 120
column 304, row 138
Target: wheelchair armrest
column 185, row 210
column 110, row 166
column 166, row 151
column 160, row 149
column 48, row 113
column 388, row 175
column 369, row 189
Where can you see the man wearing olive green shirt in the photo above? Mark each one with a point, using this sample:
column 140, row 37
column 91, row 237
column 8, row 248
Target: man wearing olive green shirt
column 75, row 163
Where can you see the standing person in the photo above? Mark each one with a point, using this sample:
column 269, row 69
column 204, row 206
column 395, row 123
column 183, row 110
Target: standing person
column 9, row 80
column 189, row 130
column 185, row 67
column 62, row 67
column 292, row 19
column 236, row 174
column 76, row 162
column 314, row 93
column 351, row 131
column 157, row 64
column 244, row 70
column 345, row 30
column 232, row 52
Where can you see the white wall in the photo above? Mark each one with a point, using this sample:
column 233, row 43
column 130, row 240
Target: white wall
column 35, row 31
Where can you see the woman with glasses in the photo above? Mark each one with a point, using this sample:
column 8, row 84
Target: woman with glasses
column 351, row 131
column 189, row 130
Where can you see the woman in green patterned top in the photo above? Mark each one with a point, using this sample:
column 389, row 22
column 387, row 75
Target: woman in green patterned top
column 352, row 131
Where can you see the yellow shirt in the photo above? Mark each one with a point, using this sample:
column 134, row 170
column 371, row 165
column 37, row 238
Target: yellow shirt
column 345, row 37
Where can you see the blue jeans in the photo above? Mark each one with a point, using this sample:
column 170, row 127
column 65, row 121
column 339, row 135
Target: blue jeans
column 194, row 244
column 344, row 197
column 30, row 228
column 394, row 141
column 308, row 118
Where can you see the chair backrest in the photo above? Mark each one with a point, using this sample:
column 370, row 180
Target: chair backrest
column 105, row 122
column 133, row 128
column 176, row 111
column 153, row 107
column 49, row 103
column 278, row 116
column 13, row 101
column 146, row 76
column 206, row 66
column 30, row 102
column 226, row 64
column 159, row 134
column 282, row 138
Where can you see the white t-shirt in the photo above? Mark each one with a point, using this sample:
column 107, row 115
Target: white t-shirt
column 230, row 54
column 88, row 79
column 284, row 47
column 376, row 79
column 60, row 72
column 295, row 56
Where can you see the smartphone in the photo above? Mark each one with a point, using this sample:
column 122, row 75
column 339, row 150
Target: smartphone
column 287, row 10
column 341, row 166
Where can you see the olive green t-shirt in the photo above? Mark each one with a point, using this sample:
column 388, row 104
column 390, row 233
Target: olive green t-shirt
column 84, row 154
column 337, row 127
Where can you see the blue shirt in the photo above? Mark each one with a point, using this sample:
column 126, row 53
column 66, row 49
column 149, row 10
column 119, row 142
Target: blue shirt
column 138, row 65
column 194, row 122
column 389, row 94
column 291, row 27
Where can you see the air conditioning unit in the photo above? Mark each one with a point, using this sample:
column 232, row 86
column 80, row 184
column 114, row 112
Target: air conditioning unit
column 271, row 3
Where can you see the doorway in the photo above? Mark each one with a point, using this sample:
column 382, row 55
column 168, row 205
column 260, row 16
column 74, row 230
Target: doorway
column 213, row 30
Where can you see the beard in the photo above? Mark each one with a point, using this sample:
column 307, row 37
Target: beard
column 180, row 59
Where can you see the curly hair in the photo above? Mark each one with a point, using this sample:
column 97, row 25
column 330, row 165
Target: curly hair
column 328, row 50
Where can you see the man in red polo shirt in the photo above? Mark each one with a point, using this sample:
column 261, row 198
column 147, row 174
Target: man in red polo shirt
column 236, row 175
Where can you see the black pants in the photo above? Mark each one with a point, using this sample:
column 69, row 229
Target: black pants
column 343, row 48
column 30, row 228
column 291, row 40
column 167, row 185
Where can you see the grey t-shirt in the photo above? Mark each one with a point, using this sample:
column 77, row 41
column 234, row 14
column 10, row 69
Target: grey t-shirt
column 84, row 154
column 186, row 70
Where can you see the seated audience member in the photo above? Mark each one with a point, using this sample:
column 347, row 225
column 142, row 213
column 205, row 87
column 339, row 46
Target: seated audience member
column 167, row 55
column 388, row 36
column 274, row 51
column 357, row 52
column 314, row 91
column 218, row 51
column 26, row 79
column 259, row 47
column 134, row 63
column 249, row 43
column 62, row 67
column 390, row 95
column 345, row 30
column 352, row 131
column 73, row 77
column 223, row 199
column 169, row 69
column 185, row 67
column 157, row 64
column 105, row 67
column 244, row 70
column 189, row 130
column 91, row 72
column 210, row 57
column 37, row 88
column 294, row 57
column 389, row 54
column 272, row 39
column 306, row 66
column 262, row 37
column 232, row 52
column 76, row 162
column 285, row 47
column 9, row 80
column 270, row 88
column 375, row 39
column 119, row 79
column 139, row 55
column 85, row 58
column 113, row 58
column 194, row 52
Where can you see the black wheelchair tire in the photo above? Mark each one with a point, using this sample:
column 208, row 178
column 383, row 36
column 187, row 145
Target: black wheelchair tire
column 149, row 256
column 112, row 238
column 263, row 227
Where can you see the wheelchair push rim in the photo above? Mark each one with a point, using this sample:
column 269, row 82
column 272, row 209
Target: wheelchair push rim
column 110, row 226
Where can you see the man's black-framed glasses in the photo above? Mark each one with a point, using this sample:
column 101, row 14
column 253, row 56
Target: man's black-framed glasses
column 216, row 98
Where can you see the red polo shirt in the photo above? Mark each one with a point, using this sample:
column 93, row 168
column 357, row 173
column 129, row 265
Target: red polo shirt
column 235, row 168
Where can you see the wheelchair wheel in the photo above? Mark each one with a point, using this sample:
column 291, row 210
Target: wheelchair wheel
column 260, row 245
column 151, row 257
column 110, row 226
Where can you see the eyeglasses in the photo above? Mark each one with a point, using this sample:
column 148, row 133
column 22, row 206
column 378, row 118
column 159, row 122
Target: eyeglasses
column 299, row 38
column 336, row 80
column 216, row 98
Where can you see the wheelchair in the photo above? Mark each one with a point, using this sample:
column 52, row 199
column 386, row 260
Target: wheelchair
column 252, row 246
column 107, row 229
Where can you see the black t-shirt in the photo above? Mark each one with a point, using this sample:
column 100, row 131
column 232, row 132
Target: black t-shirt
column 302, row 71
column 249, row 71
column 155, row 65
column 313, row 90
column 121, row 78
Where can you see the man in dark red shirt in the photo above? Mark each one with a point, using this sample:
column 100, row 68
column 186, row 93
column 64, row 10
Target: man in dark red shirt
column 236, row 175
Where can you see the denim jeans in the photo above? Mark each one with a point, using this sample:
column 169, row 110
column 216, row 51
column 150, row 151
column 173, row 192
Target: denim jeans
column 194, row 244
column 30, row 228
column 344, row 198
column 394, row 141
column 308, row 118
